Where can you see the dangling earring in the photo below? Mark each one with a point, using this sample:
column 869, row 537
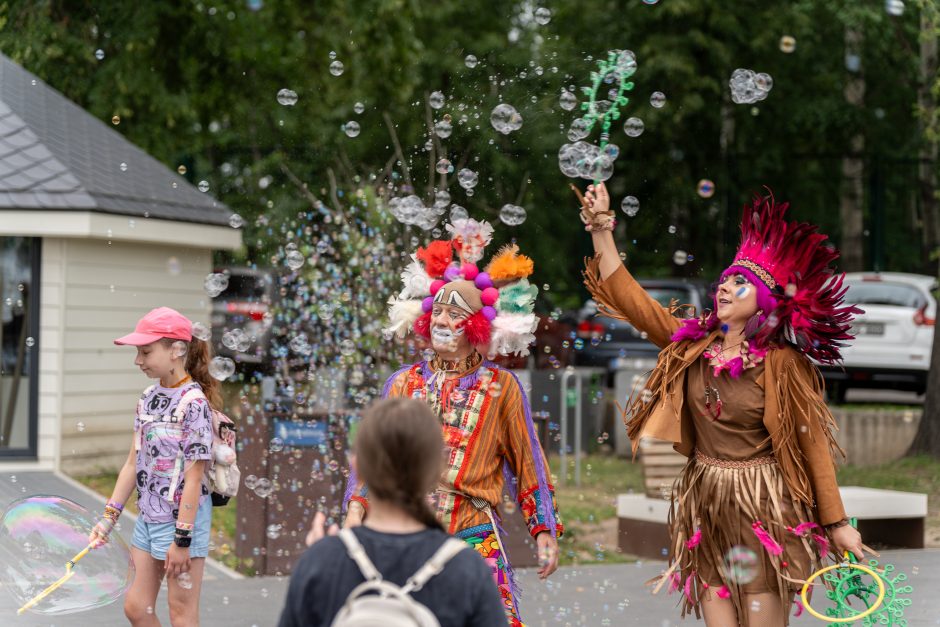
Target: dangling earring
column 752, row 326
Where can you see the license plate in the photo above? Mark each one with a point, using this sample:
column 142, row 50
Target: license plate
column 869, row 328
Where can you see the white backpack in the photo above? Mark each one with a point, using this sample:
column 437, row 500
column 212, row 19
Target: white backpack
column 379, row 602
column 222, row 474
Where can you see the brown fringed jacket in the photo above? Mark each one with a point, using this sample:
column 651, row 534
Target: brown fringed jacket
column 796, row 417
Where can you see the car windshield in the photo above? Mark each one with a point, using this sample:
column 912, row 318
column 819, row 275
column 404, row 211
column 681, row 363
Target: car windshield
column 885, row 293
column 665, row 296
column 245, row 287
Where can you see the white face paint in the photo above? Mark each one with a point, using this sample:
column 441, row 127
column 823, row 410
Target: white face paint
column 444, row 340
column 447, row 333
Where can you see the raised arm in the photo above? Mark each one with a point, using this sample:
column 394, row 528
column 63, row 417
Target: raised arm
column 616, row 292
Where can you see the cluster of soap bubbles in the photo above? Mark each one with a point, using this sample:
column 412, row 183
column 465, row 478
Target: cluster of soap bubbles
column 215, row 283
column 261, row 486
column 38, row 536
column 236, row 340
column 741, row 565
column 748, row 87
column 505, row 118
column 467, row 178
column 588, row 161
column 412, row 210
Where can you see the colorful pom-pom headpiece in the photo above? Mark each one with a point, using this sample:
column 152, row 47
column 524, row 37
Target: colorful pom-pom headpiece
column 499, row 299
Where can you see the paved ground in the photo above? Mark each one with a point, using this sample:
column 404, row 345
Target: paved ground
column 595, row 595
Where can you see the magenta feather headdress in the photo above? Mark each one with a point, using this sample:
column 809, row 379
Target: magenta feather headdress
column 792, row 260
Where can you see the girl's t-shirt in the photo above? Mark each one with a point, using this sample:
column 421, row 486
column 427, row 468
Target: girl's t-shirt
column 165, row 447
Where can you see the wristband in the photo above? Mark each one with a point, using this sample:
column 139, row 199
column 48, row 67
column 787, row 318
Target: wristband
column 185, row 526
column 114, row 504
column 837, row 524
column 183, row 533
column 182, row 542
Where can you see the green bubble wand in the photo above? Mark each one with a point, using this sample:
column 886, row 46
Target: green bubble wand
column 616, row 69
column 869, row 584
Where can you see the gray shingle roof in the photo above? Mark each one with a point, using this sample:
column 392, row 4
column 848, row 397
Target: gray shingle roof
column 55, row 155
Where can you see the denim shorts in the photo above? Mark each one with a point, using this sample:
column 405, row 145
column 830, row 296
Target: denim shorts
column 156, row 538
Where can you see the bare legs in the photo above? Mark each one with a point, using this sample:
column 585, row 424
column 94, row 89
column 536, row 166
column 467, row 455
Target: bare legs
column 142, row 596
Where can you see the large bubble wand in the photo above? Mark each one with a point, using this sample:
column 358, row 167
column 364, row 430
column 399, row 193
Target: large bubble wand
column 58, row 583
column 595, row 162
column 846, row 581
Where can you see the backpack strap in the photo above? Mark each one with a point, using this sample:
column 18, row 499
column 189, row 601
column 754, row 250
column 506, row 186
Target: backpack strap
column 142, row 418
column 450, row 548
column 188, row 397
column 358, row 555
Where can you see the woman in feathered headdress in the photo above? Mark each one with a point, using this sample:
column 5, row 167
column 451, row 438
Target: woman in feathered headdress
column 467, row 314
column 757, row 506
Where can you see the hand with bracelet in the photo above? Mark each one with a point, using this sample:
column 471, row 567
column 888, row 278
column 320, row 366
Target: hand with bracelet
column 845, row 537
column 177, row 556
column 102, row 531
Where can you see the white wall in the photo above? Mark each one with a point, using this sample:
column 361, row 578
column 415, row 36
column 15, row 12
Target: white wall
column 92, row 292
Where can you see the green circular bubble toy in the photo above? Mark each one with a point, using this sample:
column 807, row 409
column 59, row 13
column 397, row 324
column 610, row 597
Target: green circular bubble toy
column 613, row 74
column 870, row 593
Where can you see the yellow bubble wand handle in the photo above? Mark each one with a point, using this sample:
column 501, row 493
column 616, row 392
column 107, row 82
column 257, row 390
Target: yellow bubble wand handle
column 58, row 583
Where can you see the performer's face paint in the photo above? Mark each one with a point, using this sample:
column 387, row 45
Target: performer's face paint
column 736, row 299
column 447, row 336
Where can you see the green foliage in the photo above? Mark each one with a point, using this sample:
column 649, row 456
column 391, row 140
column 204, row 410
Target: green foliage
column 194, row 83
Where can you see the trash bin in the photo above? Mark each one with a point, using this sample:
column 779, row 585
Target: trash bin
column 298, row 461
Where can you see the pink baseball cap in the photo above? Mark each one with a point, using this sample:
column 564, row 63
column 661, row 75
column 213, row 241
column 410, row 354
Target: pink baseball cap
column 160, row 323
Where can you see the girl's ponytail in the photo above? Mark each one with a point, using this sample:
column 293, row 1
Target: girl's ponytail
column 197, row 365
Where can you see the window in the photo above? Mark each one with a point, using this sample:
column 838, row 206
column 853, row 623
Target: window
column 883, row 293
column 19, row 345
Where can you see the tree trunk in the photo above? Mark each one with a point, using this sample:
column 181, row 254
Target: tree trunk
column 853, row 166
column 928, row 433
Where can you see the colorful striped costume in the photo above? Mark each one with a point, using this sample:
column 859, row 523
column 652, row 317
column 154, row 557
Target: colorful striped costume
column 491, row 443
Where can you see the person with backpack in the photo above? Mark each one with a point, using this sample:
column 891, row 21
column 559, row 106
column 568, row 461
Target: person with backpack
column 173, row 444
column 400, row 568
column 465, row 313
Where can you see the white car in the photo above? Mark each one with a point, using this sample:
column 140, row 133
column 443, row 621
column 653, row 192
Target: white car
column 893, row 337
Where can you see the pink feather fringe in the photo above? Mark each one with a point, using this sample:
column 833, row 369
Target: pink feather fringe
column 769, row 543
column 676, row 579
column 694, row 540
column 688, row 587
column 802, row 528
column 723, row 592
column 799, row 607
column 822, row 542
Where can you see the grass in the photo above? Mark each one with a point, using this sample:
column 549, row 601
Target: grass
column 919, row 473
column 222, row 543
column 589, row 512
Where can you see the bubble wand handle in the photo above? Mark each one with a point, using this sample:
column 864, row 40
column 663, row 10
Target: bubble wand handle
column 58, row 583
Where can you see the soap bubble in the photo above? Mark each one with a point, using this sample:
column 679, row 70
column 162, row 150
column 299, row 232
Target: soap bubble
column 236, row 221
column 543, row 15
column 30, row 342
column 458, row 213
column 263, row 487
column 336, row 68
column 626, row 63
column 115, row 120
column 633, row 127
column 630, row 205
column 181, row 169
column 99, row 54
column 443, row 129
column 444, row 166
column 787, row 44
column 748, row 87
column 351, row 128
column 680, row 257
column 184, row 581
column 38, row 536
column 201, row 332
column 347, row 347
column 287, row 97
column 436, row 100
column 467, row 178
column 203, row 186
column 567, row 100
column 505, row 118
column 741, row 565
column 273, row 531
column 513, row 215
column 295, row 259
column 470, row 61
column 705, row 188
column 579, row 129
column 123, row 167
column 221, row 368
column 359, row 107
column 658, row 99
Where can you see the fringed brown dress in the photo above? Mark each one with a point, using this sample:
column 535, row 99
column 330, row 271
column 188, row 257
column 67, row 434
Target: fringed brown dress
column 730, row 490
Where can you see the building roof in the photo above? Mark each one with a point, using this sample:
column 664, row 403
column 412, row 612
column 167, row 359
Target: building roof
column 55, row 155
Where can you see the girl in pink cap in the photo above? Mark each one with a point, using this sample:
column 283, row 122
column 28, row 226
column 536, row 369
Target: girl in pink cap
column 171, row 445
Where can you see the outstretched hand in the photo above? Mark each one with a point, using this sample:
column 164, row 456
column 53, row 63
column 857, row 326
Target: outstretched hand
column 597, row 200
column 319, row 530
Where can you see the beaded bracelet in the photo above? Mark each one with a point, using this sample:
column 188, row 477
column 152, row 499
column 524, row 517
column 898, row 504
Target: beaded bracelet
column 114, row 504
column 183, row 533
